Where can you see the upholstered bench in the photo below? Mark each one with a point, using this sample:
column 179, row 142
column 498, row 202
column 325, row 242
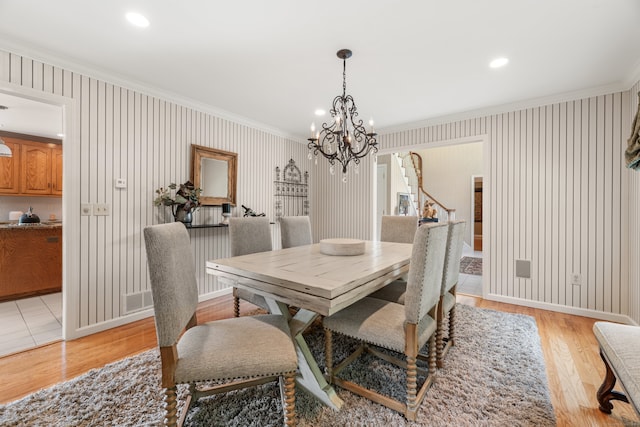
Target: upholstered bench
column 620, row 351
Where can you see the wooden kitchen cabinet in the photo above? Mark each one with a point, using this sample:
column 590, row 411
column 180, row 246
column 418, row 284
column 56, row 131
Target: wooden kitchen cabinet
column 30, row 261
column 10, row 169
column 34, row 169
column 56, row 170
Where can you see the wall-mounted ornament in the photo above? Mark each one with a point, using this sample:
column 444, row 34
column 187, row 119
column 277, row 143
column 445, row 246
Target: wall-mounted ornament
column 291, row 190
column 250, row 212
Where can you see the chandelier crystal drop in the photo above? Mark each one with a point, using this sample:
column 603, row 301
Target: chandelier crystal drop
column 345, row 140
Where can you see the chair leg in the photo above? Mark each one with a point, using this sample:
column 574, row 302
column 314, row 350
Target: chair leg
column 440, row 335
column 432, row 355
column 236, row 306
column 452, row 326
column 328, row 355
column 290, row 399
column 605, row 393
column 170, row 406
column 412, row 381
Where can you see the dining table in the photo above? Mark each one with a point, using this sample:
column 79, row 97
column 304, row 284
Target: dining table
column 317, row 284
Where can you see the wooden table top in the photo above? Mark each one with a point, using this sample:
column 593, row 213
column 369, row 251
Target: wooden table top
column 307, row 278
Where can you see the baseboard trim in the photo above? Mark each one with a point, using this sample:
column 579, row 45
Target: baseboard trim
column 129, row 318
column 585, row 312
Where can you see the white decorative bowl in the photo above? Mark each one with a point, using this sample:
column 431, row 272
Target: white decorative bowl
column 342, row 246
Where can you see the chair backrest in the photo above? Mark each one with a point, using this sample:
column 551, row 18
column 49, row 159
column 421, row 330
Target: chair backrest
column 398, row 229
column 295, row 231
column 248, row 235
column 425, row 271
column 173, row 279
column 455, row 242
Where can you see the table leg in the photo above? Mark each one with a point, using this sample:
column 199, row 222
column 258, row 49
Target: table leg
column 310, row 378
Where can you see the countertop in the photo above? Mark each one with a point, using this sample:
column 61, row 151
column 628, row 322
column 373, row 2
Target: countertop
column 13, row 225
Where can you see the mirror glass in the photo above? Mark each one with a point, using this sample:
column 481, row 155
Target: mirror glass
column 215, row 172
column 214, row 177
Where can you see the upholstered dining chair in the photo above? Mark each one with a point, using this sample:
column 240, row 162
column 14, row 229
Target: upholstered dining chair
column 399, row 229
column 295, row 231
column 396, row 291
column 450, row 276
column 248, row 235
column 244, row 351
column 401, row 328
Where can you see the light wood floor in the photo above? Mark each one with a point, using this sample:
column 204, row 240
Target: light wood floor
column 574, row 368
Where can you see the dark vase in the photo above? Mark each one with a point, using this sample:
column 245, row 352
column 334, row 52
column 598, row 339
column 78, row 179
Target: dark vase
column 183, row 216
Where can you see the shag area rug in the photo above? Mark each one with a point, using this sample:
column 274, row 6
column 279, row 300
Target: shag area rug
column 494, row 376
column 471, row 265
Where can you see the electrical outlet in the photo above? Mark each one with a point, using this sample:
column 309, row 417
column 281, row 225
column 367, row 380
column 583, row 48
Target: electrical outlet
column 101, row 209
column 576, row 279
column 85, row 209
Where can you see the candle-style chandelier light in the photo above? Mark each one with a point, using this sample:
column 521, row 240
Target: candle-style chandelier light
column 345, row 139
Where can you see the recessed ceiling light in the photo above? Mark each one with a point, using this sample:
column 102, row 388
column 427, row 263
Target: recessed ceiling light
column 137, row 19
column 499, row 62
column 60, row 135
column 320, row 112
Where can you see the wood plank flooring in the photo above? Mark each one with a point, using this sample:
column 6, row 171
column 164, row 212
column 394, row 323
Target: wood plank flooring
column 574, row 368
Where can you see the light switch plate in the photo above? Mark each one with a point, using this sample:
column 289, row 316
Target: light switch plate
column 101, row 209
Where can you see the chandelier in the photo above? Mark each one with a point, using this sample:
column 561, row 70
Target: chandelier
column 345, row 139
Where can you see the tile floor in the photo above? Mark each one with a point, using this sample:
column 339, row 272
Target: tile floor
column 468, row 283
column 30, row 322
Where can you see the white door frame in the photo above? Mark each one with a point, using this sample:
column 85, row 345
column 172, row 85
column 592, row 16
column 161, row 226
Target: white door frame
column 70, row 199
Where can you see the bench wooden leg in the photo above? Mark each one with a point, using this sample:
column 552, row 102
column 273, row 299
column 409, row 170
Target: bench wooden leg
column 605, row 392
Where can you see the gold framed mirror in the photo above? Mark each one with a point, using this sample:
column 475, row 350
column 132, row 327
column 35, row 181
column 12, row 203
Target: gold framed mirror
column 215, row 171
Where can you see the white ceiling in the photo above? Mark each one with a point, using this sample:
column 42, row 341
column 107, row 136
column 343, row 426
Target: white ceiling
column 30, row 117
column 274, row 62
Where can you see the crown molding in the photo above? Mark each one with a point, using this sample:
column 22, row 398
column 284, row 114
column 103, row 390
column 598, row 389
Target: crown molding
column 71, row 64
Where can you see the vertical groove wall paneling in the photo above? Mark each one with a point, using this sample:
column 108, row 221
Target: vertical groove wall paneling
column 557, row 197
column 145, row 140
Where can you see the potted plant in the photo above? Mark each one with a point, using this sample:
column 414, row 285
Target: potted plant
column 183, row 202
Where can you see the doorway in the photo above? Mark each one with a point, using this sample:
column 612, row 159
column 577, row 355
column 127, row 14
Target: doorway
column 42, row 311
column 476, row 209
column 451, row 178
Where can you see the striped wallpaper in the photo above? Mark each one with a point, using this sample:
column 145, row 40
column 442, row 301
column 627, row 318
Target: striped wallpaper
column 558, row 196
column 146, row 140
column 558, row 192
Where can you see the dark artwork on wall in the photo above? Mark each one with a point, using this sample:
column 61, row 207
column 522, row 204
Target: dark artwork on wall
column 291, row 190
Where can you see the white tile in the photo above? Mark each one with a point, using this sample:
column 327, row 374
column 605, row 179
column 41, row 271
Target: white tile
column 10, row 318
column 15, row 332
column 37, row 328
column 54, row 303
column 29, row 303
column 52, row 298
column 48, row 336
column 16, row 345
column 29, row 322
column 8, row 306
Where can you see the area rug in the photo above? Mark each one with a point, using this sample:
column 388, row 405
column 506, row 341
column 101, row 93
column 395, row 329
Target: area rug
column 471, row 265
column 494, row 376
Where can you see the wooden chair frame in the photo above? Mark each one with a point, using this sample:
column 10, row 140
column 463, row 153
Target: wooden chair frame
column 409, row 408
column 169, row 360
